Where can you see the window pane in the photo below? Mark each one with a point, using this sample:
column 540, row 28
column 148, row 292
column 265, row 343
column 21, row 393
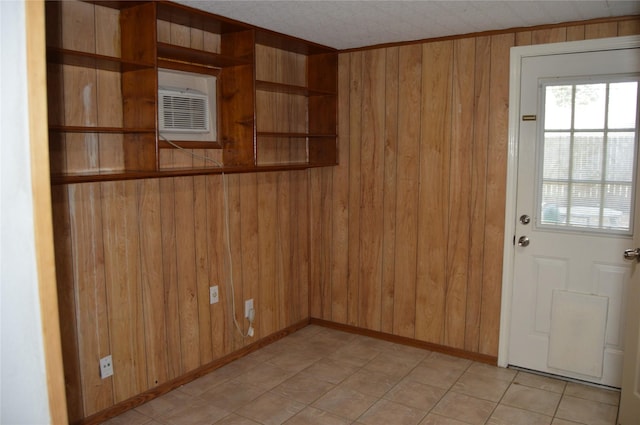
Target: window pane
column 617, row 206
column 588, row 168
column 558, row 100
column 587, row 156
column 622, row 105
column 585, row 205
column 557, row 148
column 620, row 155
column 554, row 198
column 590, row 102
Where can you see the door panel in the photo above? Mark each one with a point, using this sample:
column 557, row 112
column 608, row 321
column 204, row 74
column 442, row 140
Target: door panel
column 630, row 397
column 570, row 281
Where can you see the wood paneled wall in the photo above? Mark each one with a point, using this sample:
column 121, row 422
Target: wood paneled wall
column 404, row 236
column 407, row 232
column 135, row 259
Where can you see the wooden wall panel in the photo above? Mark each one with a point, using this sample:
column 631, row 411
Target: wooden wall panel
column 135, row 259
column 433, row 186
column 340, row 202
column 136, row 262
column 67, row 302
column 267, row 233
column 153, row 294
column 408, row 157
column 389, row 188
column 85, row 218
column 320, row 250
column 249, row 246
column 371, row 197
column 373, row 242
column 496, row 193
column 433, row 207
column 124, row 290
column 479, row 160
column 459, row 220
column 353, row 229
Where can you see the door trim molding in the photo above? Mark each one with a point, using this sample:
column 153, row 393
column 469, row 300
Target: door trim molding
column 517, row 55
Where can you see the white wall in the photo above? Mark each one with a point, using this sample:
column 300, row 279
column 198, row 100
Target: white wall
column 23, row 387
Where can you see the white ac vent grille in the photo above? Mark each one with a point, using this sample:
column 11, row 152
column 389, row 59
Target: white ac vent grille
column 184, row 111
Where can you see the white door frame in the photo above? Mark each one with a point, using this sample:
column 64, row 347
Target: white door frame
column 517, row 55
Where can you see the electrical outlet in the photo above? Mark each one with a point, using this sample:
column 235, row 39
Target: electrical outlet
column 106, row 367
column 214, row 296
column 248, row 306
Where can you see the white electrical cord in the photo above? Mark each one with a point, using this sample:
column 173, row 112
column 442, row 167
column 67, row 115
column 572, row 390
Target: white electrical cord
column 252, row 313
column 187, row 151
column 233, row 294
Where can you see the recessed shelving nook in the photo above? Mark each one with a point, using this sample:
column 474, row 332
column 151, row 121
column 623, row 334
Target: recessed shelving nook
column 276, row 96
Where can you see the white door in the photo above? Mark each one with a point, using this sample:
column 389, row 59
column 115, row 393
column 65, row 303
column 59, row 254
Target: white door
column 630, row 398
column 577, row 155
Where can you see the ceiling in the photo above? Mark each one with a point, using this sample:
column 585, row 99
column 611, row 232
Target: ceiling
column 346, row 24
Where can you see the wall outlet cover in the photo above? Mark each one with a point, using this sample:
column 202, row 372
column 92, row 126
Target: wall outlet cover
column 214, row 295
column 106, row 367
column 248, row 306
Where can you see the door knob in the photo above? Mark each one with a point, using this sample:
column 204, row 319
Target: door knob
column 524, row 241
column 525, row 219
column 630, row 254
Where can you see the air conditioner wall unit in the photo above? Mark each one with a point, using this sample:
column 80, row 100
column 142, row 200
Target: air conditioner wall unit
column 183, row 110
column 186, row 106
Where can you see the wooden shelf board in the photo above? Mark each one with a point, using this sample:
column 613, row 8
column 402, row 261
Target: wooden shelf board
column 89, row 129
column 293, row 135
column 170, row 52
column 73, row 178
column 289, row 88
column 93, row 60
column 189, row 144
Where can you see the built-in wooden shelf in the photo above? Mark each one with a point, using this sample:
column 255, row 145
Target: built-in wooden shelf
column 92, row 177
column 134, row 93
column 170, row 52
column 290, row 89
column 93, row 60
column 291, row 135
column 163, row 144
column 96, row 129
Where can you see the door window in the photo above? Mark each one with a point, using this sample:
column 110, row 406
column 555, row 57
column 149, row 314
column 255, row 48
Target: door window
column 587, row 167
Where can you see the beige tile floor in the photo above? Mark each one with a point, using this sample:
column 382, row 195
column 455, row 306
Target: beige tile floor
column 323, row 376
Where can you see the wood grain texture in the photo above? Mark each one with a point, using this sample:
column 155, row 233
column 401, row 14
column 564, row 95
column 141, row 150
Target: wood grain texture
column 85, row 218
column 441, row 193
column 462, row 126
column 124, row 292
column 39, row 183
column 630, row 27
column 478, row 191
column 355, row 132
column 496, row 190
column 371, row 198
column 601, row 30
column 575, row 33
column 340, row 202
column 434, row 200
column 390, row 185
column 408, row 159
column 67, row 302
column 320, row 249
column 303, row 243
column 151, row 272
column 143, row 255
